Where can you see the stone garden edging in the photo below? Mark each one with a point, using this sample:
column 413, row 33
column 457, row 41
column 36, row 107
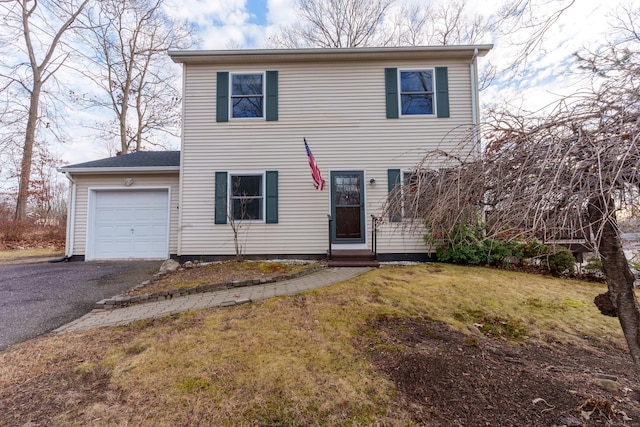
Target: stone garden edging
column 121, row 301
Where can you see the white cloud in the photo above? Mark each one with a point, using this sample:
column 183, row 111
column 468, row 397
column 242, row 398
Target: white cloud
column 206, row 13
column 281, row 12
column 232, row 36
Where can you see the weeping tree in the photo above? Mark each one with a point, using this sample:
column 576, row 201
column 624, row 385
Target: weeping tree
column 567, row 173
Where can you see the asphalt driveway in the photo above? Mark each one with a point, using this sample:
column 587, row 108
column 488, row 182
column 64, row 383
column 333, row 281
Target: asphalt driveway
column 37, row 296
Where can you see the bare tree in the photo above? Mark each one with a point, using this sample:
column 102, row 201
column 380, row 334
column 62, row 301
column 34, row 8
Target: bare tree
column 334, row 23
column 36, row 29
column 564, row 173
column 48, row 195
column 431, row 23
column 360, row 23
column 129, row 64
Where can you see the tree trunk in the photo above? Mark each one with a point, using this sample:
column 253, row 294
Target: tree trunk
column 27, row 154
column 122, row 119
column 617, row 272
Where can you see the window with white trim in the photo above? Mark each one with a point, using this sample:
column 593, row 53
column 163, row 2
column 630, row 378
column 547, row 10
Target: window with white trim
column 417, row 92
column 246, row 197
column 247, row 95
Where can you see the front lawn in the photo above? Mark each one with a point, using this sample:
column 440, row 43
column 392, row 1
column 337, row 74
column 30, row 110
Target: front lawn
column 430, row 344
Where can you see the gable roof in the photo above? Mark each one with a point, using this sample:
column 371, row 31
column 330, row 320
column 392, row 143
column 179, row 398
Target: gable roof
column 141, row 161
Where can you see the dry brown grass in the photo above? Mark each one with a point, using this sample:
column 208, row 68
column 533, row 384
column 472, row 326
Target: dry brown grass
column 19, row 254
column 295, row 361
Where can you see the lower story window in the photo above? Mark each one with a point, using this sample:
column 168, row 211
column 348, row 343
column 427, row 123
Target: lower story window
column 416, row 186
column 247, row 197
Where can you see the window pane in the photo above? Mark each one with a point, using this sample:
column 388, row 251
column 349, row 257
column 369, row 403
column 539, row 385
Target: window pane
column 347, row 190
column 416, row 81
column 417, row 104
column 246, row 84
column 247, row 107
column 247, row 208
column 246, row 185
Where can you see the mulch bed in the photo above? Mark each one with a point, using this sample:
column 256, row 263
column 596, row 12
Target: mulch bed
column 447, row 378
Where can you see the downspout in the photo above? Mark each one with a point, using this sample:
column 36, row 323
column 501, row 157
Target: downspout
column 181, row 171
column 475, row 112
column 71, row 219
column 473, row 73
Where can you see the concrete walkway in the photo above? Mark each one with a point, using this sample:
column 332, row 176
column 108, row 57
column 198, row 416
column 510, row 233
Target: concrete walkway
column 224, row 298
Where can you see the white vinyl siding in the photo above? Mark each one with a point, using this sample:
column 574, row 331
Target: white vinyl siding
column 340, row 109
column 114, row 182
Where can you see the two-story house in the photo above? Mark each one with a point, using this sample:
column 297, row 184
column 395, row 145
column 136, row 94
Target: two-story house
column 243, row 179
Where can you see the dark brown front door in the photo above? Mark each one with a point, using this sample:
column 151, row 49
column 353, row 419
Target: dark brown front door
column 347, row 207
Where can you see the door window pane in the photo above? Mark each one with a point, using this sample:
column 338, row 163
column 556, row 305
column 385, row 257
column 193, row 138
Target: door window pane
column 347, row 190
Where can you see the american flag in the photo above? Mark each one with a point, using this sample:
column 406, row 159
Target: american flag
column 318, row 182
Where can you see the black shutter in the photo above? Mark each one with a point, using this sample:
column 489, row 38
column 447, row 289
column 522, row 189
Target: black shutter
column 391, row 92
column 393, row 182
column 442, row 91
column 221, row 198
column 272, row 197
column 272, row 96
column 222, row 96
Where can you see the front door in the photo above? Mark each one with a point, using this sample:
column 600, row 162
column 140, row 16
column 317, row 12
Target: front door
column 347, row 207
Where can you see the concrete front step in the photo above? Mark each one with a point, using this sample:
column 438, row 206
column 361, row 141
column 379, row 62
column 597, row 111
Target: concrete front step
column 353, row 263
column 353, row 258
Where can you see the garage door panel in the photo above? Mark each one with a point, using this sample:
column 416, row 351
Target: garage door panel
column 105, row 215
column 143, row 231
column 123, row 231
column 130, row 224
column 123, row 214
column 103, row 232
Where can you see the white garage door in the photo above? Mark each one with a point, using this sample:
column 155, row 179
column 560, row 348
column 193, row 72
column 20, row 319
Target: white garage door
column 129, row 224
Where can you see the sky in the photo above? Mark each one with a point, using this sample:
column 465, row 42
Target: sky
column 550, row 71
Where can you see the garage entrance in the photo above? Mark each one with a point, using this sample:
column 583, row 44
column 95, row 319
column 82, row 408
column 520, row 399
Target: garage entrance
column 128, row 224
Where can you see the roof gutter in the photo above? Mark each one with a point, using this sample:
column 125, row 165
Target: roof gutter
column 130, row 169
column 325, row 54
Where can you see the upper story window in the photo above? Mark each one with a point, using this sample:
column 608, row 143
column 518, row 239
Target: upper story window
column 417, row 92
column 247, row 95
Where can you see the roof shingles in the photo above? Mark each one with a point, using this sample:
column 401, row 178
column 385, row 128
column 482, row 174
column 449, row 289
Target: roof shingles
column 141, row 159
